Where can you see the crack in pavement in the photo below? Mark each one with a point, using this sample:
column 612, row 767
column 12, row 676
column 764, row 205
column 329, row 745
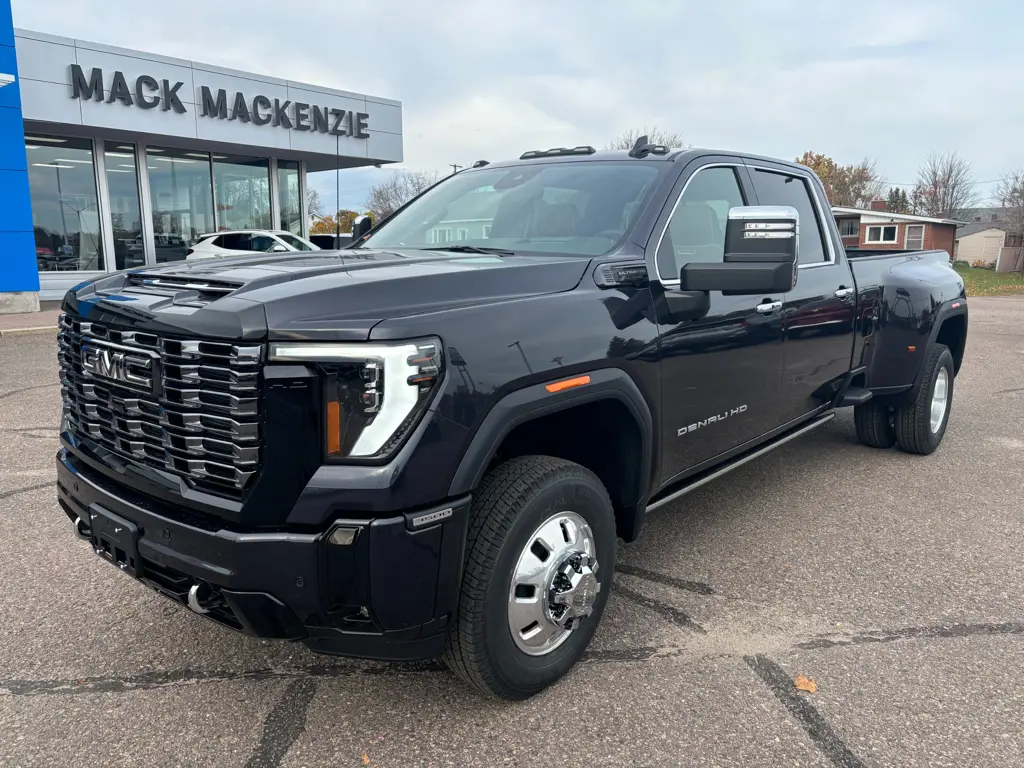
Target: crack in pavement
column 660, row 578
column 171, row 678
column 283, row 724
column 26, row 489
column 913, row 633
column 801, row 708
column 26, row 389
column 670, row 612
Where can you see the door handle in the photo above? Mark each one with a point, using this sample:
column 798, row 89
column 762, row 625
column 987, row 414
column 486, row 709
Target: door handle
column 768, row 307
column 843, row 292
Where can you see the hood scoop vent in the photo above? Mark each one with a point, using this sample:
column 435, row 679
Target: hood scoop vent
column 172, row 285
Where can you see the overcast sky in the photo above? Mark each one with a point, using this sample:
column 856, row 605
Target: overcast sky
column 890, row 80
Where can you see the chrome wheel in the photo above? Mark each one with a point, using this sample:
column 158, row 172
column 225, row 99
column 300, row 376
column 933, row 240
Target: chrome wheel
column 554, row 584
column 940, row 400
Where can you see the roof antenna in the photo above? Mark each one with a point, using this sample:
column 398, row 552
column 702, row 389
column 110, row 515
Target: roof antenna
column 641, row 148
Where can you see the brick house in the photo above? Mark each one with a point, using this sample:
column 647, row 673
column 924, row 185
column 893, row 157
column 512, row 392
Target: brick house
column 876, row 229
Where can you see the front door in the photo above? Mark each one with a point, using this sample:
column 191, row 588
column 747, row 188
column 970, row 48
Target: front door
column 720, row 374
column 818, row 314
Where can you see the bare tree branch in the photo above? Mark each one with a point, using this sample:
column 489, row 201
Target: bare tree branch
column 945, row 186
column 388, row 196
column 654, row 134
column 314, row 206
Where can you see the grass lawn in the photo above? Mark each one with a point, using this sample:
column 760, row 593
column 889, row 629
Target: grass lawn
column 986, row 282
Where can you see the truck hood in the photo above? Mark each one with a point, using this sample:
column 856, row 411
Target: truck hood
column 326, row 295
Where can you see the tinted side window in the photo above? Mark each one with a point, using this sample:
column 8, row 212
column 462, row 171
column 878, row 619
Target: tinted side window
column 780, row 189
column 262, row 243
column 696, row 231
column 235, row 242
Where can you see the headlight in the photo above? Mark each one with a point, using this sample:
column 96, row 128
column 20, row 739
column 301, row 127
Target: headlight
column 374, row 394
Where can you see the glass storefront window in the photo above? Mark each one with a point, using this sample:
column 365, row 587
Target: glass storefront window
column 65, row 214
column 182, row 199
column 242, row 192
column 125, row 213
column 288, row 190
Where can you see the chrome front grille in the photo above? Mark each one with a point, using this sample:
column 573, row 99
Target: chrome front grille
column 188, row 407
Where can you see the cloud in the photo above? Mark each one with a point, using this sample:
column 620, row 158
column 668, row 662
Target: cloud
column 891, row 81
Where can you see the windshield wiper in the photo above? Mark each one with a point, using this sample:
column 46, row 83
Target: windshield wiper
column 473, row 249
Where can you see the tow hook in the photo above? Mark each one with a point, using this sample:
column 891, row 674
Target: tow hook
column 81, row 529
column 195, row 600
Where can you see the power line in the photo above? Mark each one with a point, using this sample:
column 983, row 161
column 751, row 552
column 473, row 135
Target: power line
column 914, row 184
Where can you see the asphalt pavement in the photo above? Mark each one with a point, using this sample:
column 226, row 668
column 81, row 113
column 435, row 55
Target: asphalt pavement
column 894, row 582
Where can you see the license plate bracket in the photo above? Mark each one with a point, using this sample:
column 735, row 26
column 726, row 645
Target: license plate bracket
column 115, row 539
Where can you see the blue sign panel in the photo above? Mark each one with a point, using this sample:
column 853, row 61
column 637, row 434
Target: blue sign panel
column 18, row 270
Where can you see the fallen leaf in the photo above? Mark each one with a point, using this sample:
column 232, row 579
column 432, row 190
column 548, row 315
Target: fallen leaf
column 803, row 683
column 366, row 759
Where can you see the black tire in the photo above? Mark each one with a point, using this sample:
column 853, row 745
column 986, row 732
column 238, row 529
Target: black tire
column 512, row 501
column 874, row 423
column 913, row 422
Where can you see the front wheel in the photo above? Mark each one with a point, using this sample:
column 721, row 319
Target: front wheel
column 921, row 425
column 539, row 561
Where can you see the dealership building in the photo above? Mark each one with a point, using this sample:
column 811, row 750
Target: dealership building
column 113, row 158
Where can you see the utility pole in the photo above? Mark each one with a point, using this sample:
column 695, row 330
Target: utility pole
column 456, row 168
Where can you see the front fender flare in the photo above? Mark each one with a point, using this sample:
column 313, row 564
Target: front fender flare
column 532, row 402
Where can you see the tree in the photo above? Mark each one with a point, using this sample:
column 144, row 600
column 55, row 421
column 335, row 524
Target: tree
column 1010, row 194
column 388, row 196
column 897, row 201
column 945, row 186
column 852, row 186
column 341, row 222
column 324, row 225
column 314, row 206
column 654, row 135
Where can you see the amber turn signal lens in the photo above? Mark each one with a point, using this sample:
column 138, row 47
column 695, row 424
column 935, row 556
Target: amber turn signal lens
column 558, row 386
column 333, row 427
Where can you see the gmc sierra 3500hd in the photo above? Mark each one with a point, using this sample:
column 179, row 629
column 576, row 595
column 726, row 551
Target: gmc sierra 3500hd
column 426, row 445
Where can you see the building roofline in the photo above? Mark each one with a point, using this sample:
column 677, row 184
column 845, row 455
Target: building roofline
column 896, row 216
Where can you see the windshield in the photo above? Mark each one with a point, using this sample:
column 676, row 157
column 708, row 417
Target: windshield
column 582, row 208
column 298, row 243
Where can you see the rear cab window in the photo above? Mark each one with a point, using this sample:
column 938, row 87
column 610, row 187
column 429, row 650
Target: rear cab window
column 778, row 188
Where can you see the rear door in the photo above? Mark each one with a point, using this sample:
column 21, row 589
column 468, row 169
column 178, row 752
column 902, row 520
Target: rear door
column 818, row 314
column 720, row 374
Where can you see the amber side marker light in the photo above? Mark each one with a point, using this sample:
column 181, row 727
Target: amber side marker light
column 333, row 428
column 558, row 386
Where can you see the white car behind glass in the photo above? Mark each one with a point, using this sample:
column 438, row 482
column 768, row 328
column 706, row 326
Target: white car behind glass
column 246, row 240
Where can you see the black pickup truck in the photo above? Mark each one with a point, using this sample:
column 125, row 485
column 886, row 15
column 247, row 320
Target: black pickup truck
column 426, row 444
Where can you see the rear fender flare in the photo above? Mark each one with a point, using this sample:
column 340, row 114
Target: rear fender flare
column 944, row 313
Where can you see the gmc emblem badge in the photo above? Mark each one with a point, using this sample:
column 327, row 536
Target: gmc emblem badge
column 128, row 367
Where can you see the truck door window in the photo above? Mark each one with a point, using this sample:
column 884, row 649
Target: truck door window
column 696, row 229
column 782, row 189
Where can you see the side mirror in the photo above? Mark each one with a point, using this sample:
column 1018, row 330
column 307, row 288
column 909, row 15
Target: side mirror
column 761, row 254
column 361, row 226
column 277, row 248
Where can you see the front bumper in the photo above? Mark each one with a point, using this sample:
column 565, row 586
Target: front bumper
column 388, row 595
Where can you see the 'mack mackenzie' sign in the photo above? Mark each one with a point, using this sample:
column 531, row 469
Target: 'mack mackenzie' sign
column 148, row 93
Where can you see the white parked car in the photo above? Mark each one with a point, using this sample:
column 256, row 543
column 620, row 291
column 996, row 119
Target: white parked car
column 246, row 240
